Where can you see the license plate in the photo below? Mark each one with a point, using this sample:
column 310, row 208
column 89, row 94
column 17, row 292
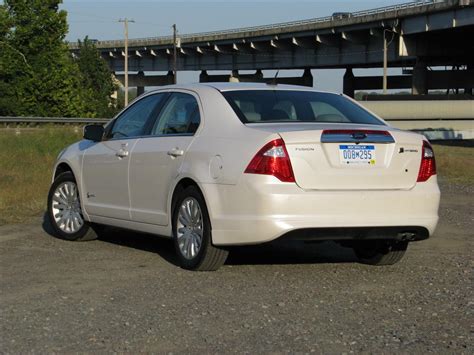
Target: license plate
column 357, row 154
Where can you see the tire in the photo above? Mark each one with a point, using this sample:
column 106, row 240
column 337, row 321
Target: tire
column 380, row 252
column 66, row 203
column 192, row 233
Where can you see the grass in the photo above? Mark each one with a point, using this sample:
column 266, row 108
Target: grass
column 455, row 164
column 27, row 158
column 26, row 163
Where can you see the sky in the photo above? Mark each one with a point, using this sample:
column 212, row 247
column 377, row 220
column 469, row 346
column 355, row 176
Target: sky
column 98, row 19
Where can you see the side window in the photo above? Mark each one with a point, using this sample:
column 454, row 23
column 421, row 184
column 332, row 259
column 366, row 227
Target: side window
column 180, row 115
column 132, row 122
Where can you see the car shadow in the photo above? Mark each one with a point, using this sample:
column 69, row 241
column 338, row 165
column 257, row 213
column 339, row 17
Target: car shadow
column 278, row 252
column 46, row 225
column 290, row 252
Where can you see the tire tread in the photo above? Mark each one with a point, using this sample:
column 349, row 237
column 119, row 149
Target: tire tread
column 212, row 257
column 388, row 254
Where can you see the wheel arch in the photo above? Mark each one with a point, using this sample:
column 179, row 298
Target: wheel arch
column 60, row 168
column 63, row 166
column 180, row 186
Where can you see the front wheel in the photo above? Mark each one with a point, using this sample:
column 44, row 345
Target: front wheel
column 380, row 252
column 64, row 210
column 192, row 233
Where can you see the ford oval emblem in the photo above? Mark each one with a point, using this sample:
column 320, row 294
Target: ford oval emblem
column 359, row 135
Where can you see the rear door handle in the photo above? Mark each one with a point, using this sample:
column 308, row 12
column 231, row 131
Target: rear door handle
column 122, row 153
column 176, row 152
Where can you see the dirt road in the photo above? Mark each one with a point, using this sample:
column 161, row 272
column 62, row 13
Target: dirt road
column 124, row 293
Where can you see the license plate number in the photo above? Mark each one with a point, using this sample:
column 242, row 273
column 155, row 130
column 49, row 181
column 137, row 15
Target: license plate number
column 357, row 154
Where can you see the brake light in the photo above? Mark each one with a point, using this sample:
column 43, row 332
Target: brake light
column 428, row 163
column 352, row 131
column 272, row 159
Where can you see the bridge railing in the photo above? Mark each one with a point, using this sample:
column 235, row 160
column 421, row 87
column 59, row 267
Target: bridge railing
column 147, row 40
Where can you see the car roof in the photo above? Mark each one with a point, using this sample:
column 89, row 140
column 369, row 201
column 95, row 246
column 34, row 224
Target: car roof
column 227, row 86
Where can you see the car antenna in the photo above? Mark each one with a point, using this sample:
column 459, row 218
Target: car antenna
column 274, row 80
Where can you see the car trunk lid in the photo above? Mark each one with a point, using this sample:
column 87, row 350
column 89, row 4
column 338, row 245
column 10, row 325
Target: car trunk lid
column 353, row 157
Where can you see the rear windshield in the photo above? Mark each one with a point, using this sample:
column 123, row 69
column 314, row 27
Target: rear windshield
column 266, row 106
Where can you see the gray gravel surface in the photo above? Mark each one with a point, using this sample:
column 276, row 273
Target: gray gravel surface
column 124, row 293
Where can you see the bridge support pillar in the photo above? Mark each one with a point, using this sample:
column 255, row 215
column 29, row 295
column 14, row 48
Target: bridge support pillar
column 348, row 87
column 140, row 80
column 419, row 78
column 204, row 77
column 246, row 78
column 305, row 80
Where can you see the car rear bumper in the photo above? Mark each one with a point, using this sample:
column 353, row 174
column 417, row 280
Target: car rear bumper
column 261, row 208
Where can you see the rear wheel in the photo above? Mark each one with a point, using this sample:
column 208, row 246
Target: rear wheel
column 380, row 252
column 65, row 213
column 192, row 233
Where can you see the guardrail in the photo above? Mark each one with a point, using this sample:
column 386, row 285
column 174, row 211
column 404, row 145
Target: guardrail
column 146, row 40
column 35, row 121
column 448, row 124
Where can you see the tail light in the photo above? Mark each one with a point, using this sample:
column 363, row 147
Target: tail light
column 272, row 159
column 428, row 163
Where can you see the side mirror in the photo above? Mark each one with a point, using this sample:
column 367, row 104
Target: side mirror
column 94, row 132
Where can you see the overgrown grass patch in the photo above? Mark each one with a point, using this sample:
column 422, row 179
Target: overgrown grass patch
column 27, row 158
column 455, row 164
column 26, row 162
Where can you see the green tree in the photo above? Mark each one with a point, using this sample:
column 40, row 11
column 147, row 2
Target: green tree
column 12, row 64
column 96, row 79
column 38, row 75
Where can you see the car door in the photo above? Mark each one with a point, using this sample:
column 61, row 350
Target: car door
column 105, row 164
column 156, row 160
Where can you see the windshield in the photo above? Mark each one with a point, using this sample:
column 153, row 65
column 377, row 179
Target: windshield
column 266, row 106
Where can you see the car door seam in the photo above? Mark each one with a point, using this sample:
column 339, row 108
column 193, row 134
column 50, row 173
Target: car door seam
column 129, row 191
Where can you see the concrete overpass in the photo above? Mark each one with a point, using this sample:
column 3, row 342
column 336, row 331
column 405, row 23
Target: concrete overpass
column 419, row 35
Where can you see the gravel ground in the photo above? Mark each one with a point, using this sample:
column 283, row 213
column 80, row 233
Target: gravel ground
column 124, row 293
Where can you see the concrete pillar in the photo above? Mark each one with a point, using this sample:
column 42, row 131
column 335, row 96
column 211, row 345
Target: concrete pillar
column 203, row 77
column 348, row 83
column 169, row 77
column 419, row 78
column 308, row 78
column 251, row 78
column 140, row 77
column 141, row 81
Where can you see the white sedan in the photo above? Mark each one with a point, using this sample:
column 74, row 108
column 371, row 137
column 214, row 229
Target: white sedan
column 216, row 165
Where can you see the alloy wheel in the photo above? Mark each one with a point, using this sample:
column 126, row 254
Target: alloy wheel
column 66, row 208
column 189, row 228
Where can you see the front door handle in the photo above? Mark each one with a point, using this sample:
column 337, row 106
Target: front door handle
column 122, row 153
column 176, row 152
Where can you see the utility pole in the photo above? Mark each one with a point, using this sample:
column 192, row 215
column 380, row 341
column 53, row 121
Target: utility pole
column 125, row 22
column 385, row 62
column 175, row 59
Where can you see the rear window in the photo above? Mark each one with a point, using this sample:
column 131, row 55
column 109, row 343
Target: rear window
column 266, row 106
